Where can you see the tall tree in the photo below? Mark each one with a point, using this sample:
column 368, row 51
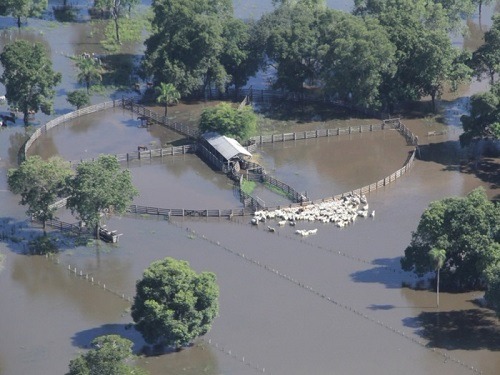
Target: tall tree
column 437, row 258
column 108, row 355
column 293, row 43
column 467, row 229
column 483, row 121
column 90, row 70
column 187, row 40
column 167, row 94
column 243, row 51
column 426, row 60
column 486, row 59
column 28, row 77
column 358, row 58
column 117, row 9
column 480, row 4
column 40, row 183
column 98, row 187
column 173, row 304
column 24, row 8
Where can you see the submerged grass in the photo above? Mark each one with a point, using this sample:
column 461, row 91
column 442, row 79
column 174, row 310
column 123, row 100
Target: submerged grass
column 248, row 186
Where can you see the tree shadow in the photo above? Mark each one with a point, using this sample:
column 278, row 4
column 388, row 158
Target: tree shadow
column 83, row 339
column 303, row 112
column 387, row 271
column 471, row 329
column 17, row 235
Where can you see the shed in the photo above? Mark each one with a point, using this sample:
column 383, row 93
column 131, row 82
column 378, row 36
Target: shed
column 227, row 150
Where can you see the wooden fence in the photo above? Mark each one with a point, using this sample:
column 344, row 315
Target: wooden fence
column 182, row 212
column 254, row 168
column 162, row 120
column 61, row 225
column 284, row 137
column 64, row 118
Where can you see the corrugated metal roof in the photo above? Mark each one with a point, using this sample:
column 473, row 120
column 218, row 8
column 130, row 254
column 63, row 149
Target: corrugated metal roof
column 227, row 147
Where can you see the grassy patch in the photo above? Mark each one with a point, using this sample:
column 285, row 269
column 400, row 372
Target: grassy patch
column 277, row 190
column 248, row 186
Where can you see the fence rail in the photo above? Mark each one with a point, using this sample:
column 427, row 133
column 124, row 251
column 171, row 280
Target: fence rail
column 182, row 212
column 162, row 120
column 64, row 118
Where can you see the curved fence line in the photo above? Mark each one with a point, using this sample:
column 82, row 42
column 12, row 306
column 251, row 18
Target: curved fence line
column 62, row 119
column 247, row 200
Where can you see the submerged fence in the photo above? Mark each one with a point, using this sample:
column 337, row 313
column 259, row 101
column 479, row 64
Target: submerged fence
column 162, row 120
column 253, row 171
column 64, row 118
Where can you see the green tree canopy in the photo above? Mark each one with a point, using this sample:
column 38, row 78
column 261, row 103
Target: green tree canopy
column 107, row 356
column 492, row 275
column 242, row 53
column 167, row 94
column 28, row 77
column 78, row 98
column 229, row 121
column 24, row 8
column 425, row 58
column 186, row 43
column 173, row 304
column 40, row 183
column 358, row 58
column 90, row 70
column 100, row 186
column 483, row 120
column 486, row 59
column 467, row 229
column 294, row 45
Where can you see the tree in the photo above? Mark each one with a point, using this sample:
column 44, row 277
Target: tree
column 426, row 60
column 24, row 8
column 358, row 59
column 185, row 46
column 98, row 187
column 242, row 53
column 483, row 120
column 467, row 229
column 167, row 94
column 78, row 98
column 117, row 8
column 293, row 42
column 173, row 304
column 492, row 275
column 437, row 258
column 232, row 122
column 89, row 70
column 40, row 183
column 480, row 4
column 28, row 77
column 486, row 59
column 107, row 356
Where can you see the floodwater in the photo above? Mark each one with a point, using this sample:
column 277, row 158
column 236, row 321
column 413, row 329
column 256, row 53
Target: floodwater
column 333, row 303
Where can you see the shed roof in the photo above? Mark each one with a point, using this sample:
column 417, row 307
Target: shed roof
column 227, row 147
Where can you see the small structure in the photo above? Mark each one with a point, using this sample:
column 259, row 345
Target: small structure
column 223, row 152
column 110, row 236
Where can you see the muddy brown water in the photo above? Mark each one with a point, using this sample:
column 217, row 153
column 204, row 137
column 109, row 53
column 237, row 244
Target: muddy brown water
column 326, row 304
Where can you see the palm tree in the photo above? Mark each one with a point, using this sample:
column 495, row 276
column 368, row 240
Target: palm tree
column 168, row 94
column 437, row 257
column 90, row 71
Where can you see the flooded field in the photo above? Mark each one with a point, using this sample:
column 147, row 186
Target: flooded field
column 333, row 303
